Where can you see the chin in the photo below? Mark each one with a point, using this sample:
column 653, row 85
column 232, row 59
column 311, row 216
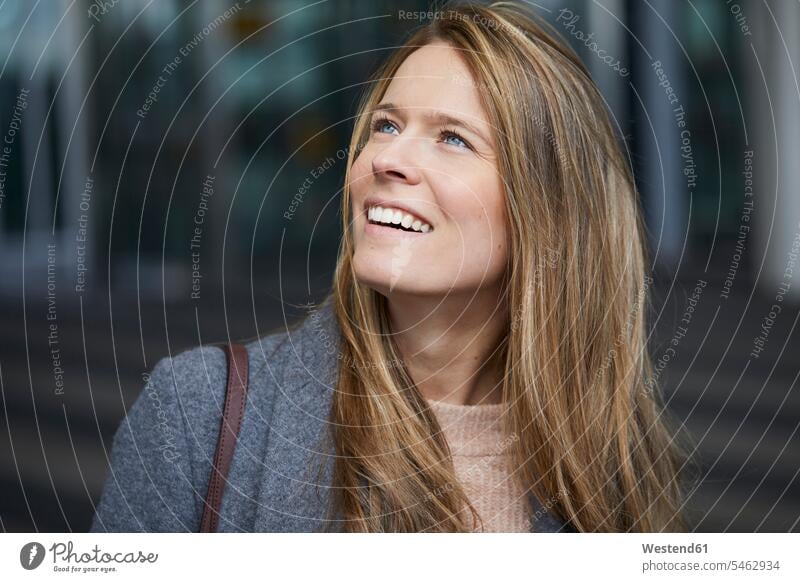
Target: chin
column 378, row 276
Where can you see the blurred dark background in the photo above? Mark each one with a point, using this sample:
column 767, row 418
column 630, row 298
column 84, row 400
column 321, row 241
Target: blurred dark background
column 125, row 123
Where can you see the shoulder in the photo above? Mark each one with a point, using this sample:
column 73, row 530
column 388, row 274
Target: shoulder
column 293, row 352
column 162, row 449
column 199, row 374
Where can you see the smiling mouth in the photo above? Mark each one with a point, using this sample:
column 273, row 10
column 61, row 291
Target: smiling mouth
column 395, row 226
column 397, row 219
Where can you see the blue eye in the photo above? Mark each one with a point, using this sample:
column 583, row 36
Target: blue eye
column 449, row 137
column 380, row 124
column 452, row 135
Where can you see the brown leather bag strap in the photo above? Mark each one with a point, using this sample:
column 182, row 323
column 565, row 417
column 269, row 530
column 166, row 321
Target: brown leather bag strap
column 232, row 414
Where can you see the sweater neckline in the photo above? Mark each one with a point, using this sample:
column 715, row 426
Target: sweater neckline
column 472, row 429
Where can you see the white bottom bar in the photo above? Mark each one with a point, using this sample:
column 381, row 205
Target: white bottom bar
column 400, row 557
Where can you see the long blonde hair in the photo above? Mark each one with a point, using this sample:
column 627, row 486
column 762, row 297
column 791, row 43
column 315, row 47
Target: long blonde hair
column 590, row 439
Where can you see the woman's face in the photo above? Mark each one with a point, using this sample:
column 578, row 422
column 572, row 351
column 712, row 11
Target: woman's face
column 429, row 164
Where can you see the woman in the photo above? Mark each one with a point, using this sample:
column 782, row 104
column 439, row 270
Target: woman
column 481, row 363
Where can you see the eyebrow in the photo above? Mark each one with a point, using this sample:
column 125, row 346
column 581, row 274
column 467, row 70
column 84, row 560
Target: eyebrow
column 437, row 116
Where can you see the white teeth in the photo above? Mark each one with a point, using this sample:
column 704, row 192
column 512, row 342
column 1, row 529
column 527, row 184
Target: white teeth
column 391, row 216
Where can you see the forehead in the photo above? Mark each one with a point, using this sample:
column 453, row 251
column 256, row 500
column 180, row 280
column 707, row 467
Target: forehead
column 435, row 76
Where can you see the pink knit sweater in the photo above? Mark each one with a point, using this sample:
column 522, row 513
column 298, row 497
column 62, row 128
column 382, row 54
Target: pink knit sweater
column 482, row 460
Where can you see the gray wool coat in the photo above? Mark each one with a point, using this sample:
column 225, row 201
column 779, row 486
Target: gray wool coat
column 162, row 451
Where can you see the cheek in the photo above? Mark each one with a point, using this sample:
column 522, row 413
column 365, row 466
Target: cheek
column 359, row 181
column 476, row 208
column 361, row 170
column 498, row 228
column 479, row 222
column 486, row 238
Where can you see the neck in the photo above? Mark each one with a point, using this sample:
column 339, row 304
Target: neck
column 451, row 346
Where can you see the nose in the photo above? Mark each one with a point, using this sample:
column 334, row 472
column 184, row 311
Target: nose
column 395, row 162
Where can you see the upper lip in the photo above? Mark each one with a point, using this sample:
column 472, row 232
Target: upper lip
column 397, row 205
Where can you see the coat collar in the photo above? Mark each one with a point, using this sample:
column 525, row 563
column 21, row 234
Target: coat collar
column 299, row 444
